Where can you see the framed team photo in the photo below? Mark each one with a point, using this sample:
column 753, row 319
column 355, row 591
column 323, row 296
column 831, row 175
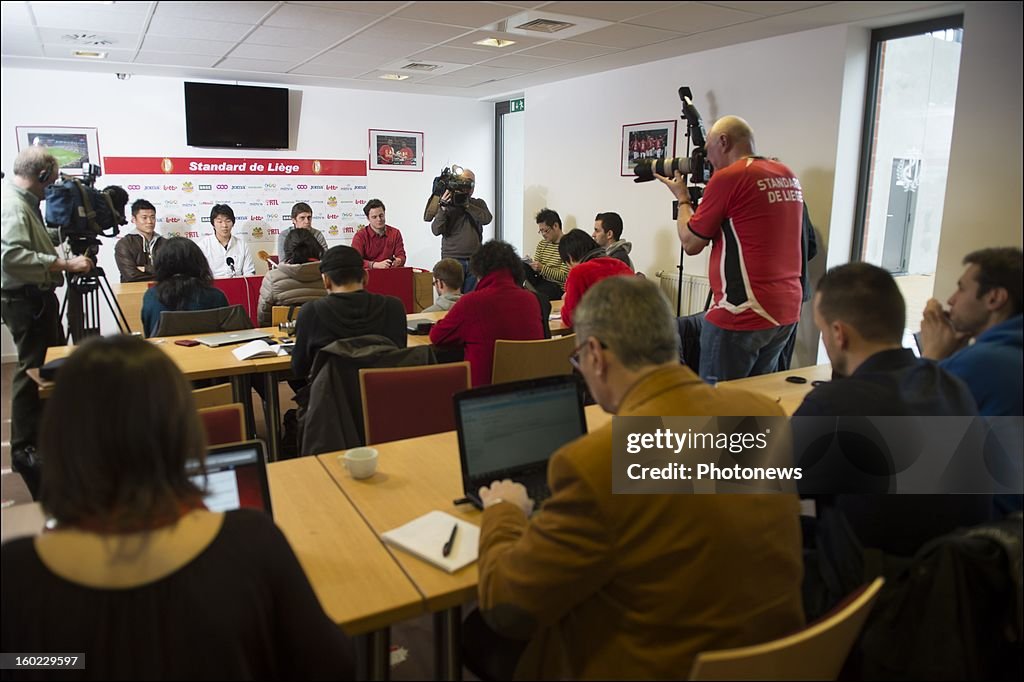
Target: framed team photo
column 396, row 150
column 647, row 141
column 70, row 146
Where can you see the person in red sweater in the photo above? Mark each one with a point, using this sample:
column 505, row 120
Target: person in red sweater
column 498, row 308
column 588, row 265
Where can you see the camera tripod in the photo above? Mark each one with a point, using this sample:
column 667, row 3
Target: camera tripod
column 81, row 299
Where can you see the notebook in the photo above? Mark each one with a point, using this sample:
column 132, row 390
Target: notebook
column 426, row 536
column 236, row 477
column 511, row 430
column 226, row 338
column 260, row 349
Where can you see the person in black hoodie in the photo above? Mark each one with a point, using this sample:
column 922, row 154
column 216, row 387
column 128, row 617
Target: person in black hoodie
column 347, row 311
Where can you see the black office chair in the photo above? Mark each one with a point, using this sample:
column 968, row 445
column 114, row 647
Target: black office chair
column 231, row 318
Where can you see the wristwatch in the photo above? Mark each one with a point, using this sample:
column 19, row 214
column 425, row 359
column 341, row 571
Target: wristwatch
column 493, row 501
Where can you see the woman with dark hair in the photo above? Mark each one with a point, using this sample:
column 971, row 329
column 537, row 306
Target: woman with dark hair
column 498, row 308
column 297, row 279
column 182, row 283
column 588, row 264
column 137, row 574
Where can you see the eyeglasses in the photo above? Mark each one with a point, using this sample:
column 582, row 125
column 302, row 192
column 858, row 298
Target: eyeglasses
column 544, row 230
column 574, row 357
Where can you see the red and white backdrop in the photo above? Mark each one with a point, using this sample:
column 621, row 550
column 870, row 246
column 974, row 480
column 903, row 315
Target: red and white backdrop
column 261, row 192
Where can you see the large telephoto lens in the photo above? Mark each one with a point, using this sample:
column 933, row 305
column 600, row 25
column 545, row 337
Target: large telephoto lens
column 646, row 168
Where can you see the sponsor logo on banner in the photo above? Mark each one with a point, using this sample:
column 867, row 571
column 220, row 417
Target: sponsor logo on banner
column 167, row 165
column 346, row 201
column 190, row 218
column 206, row 219
column 186, row 186
column 205, row 187
column 222, row 186
column 150, row 188
column 331, row 188
column 271, row 202
column 317, row 166
column 238, row 187
column 171, row 202
column 287, row 188
column 207, row 203
column 191, row 235
column 172, row 219
column 332, row 201
column 301, row 186
column 256, row 218
column 318, row 216
column 175, row 233
column 316, row 186
column 256, row 204
column 348, row 214
column 346, row 188
column 269, row 185
column 333, row 216
column 186, row 204
column 359, row 187
column 133, row 187
column 273, row 217
column 349, row 229
column 333, row 230
column 254, row 186
column 257, row 233
column 360, row 201
column 170, row 188
column 273, row 231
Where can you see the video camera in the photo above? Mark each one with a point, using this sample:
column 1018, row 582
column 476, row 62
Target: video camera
column 455, row 180
column 82, row 213
column 696, row 164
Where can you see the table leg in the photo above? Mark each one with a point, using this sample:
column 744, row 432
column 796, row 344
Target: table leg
column 241, row 392
column 272, row 414
column 373, row 655
column 447, row 644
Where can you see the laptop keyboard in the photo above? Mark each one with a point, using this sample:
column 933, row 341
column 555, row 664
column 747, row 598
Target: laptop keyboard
column 534, row 481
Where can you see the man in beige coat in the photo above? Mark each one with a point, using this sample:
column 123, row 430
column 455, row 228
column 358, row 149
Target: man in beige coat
column 631, row 586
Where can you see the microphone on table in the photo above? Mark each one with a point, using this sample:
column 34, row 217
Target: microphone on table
column 231, row 264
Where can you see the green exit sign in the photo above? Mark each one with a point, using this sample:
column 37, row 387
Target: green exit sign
column 517, row 105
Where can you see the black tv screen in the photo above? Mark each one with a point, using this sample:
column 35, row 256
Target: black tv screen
column 236, row 116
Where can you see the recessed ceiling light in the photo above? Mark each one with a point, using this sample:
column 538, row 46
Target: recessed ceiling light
column 86, row 54
column 494, row 42
column 394, row 77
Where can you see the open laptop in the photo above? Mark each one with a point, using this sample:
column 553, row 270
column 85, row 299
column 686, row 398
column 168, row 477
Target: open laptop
column 236, row 477
column 511, row 430
column 227, row 338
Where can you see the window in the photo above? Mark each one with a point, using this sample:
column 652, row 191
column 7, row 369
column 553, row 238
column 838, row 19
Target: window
column 509, row 145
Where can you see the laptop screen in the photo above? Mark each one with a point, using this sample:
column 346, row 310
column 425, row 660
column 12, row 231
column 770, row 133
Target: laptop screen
column 518, row 424
column 236, row 478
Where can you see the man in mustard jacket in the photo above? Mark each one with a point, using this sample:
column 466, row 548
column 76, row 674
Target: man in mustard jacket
column 631, row 586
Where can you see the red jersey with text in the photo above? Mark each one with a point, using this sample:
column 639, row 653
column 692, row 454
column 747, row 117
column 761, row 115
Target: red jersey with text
column 752, row 213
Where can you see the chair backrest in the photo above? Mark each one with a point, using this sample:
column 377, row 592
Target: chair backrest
column 213, row 396
column 279, row 313
column 231, row 318
column 223, row 424
column 815, row 653
column 405, row 402
column 519, row 360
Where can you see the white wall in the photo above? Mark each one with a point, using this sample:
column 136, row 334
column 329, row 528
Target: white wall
column 144, row 116
column 983, row 196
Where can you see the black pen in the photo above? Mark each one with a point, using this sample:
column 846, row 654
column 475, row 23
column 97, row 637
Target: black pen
column 447, row 549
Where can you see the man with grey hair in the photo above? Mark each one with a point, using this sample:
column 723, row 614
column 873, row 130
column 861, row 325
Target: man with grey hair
column 31, row 271
column 630, row 586
column 752, row 215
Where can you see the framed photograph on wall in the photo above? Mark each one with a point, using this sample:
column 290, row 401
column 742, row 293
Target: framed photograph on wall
column 647, row 141
column 396, row 150
column 71, row 146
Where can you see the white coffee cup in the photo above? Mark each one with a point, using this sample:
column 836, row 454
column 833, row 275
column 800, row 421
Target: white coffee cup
column 360, row 462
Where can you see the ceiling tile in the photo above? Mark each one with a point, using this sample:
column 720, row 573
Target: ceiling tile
column 353, row 60
column 564, row 49
column 770, row 8
column 694, row 18
column 197, row 29
column 377, row 8
column 483, row 73
column 14, row 13
column 523, row 62
column 273, row 53
column 467, row 14
column 24, row 45
column 186, row 45
column 330, row 70
column 527, row 4
column 87, row 18
column 468, row 41
column 324, row 20
column 625, row 36
column 231, row 12
column 55, row 36
column 376, row 76
column 457, row 55
column 401, row 30
column 608, row 11
column 290, row 37
column 385, row 48
column 264, row 65
column 175, row 58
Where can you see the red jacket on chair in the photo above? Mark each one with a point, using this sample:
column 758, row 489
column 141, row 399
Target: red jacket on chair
column 496, row 309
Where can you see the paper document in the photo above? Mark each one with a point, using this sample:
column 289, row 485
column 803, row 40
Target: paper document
column 426, row 536
column 258, row 349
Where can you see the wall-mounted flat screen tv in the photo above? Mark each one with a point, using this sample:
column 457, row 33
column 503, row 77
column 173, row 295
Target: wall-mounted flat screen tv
column 236, row 116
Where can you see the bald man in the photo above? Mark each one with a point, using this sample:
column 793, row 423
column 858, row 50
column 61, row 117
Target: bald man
column 752, row 215
column 459, row 219
column 31, row 272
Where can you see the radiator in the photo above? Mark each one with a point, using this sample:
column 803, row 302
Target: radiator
column 695, row 291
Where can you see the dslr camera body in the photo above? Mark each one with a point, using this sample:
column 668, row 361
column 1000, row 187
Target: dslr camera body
column 696, row 165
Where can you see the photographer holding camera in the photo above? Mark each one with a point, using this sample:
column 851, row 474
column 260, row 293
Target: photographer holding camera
column 31, row 272
column 752, row 213
column 457, row 217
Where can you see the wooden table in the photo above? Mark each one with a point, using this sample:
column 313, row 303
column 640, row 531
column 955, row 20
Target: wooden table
column 129, row 297
column 556, row 325
column 775, row 386
column 416, row 476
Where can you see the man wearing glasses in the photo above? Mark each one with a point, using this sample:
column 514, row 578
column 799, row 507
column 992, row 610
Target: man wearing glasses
column 547, row 273
column 597, row 585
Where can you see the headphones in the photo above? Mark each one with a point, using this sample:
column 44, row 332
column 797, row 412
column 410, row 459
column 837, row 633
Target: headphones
column 45, row 174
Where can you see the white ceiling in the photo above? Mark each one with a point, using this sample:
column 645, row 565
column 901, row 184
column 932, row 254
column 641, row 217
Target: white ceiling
column 351, row 44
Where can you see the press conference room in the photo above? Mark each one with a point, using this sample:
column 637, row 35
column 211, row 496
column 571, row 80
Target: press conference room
column 377, row 537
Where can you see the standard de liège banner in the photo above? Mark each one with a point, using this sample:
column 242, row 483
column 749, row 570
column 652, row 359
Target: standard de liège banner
column 818, row 455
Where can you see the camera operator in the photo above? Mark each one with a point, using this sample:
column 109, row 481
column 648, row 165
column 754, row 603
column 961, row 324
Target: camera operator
column 458, row 218
column 30, row 273
column 752, row 213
